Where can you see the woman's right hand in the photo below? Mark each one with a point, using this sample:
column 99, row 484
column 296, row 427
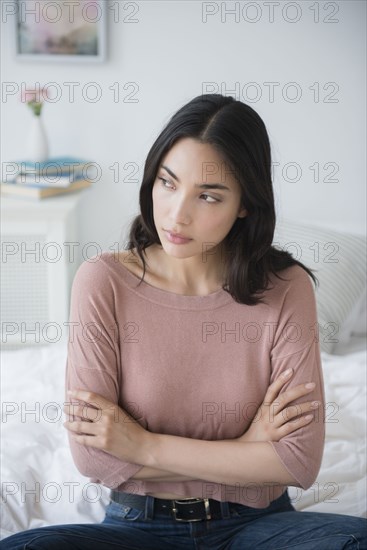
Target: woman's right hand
column 275, row 418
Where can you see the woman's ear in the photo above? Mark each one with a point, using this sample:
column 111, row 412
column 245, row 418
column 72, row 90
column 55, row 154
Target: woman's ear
column 242, row 213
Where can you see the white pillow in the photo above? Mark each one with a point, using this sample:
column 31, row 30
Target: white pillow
column 355, row 323
column 359, row 325
column 339, row 260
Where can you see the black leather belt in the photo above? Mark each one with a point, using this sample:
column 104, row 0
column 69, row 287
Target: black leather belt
column 193, row 509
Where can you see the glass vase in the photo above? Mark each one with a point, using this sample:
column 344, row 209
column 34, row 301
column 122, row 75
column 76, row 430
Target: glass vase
column 37, row 144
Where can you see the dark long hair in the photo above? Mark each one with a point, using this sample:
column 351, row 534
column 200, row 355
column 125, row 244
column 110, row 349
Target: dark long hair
column 238, row 133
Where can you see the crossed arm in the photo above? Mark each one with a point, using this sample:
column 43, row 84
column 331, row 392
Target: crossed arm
column 246, row 459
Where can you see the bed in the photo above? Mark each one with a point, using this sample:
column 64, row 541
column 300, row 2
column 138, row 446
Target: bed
column 41, row 485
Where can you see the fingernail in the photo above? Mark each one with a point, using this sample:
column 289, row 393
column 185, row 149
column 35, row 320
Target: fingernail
column 308, row 417
column 310, row 385
column 287, row 372
column 315, row 404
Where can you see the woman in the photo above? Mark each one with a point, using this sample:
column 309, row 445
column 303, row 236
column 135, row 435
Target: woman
column 197, row 392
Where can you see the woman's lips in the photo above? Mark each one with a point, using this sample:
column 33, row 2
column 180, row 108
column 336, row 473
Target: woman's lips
column 175, row 239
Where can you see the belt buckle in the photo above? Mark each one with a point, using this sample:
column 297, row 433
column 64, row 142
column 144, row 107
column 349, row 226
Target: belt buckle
column 185, row 501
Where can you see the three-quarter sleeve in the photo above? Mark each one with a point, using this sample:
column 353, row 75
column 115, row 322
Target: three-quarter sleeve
column 296, row 346
column 93, row 364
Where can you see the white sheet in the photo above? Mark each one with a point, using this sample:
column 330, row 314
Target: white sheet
column 41, row 485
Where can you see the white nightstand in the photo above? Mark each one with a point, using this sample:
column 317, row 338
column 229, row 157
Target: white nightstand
column 40, row 254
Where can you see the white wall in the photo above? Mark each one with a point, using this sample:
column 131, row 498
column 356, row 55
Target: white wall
column 171, row 53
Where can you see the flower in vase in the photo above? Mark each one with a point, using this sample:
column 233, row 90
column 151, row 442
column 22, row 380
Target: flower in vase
column 37, row 144
column 34, row 98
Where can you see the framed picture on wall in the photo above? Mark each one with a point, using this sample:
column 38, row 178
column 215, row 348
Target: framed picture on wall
column 60, row 30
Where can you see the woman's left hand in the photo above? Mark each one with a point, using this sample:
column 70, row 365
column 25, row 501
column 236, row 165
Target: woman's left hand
column 102, row 424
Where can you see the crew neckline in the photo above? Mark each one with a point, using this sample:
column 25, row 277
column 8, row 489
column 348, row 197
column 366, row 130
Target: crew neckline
column 164, row 297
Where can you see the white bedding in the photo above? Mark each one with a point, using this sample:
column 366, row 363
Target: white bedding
column 41, row 485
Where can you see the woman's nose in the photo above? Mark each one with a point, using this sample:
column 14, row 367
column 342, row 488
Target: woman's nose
column 180, row 212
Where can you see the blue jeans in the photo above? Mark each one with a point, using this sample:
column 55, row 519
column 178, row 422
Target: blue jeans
column 279, row 526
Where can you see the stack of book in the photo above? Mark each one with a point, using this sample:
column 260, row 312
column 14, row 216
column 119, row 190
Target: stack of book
column 39, row 180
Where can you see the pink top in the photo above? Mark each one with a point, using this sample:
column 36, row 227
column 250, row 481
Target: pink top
column 192, row 366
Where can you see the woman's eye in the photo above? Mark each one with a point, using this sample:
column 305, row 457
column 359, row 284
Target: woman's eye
column 211, row 201
column 163, row 181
